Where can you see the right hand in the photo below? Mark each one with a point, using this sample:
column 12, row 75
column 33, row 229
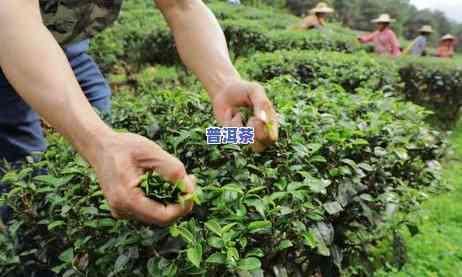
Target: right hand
column 240, row 93
column 120, row 164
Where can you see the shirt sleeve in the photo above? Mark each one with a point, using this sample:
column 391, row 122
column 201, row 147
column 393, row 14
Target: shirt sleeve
column 368, row 38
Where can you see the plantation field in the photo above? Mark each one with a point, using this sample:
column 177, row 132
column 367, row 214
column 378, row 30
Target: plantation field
column 362, row 182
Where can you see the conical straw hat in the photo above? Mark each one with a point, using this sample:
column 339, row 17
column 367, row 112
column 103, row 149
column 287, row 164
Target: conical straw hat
column 322, row 8
column 383, row 18
column 448, row 37
column 426, row 29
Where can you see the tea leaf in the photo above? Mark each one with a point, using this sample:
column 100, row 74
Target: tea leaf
column 67, row 256
column 194, row 255
column 216, row 258
column 249, row 264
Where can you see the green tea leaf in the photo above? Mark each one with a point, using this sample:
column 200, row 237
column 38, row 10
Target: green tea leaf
column 259, row 226
column 216, row 242
column 228, row 227
column 67, row 256
column 214, row 226
column 233, row 188
column 249, row 264
column 216, row 258
column 186, row 234
column 121, row 262
column 194, row 255
column 55, row 224
column 285, row 244
column 333, row 207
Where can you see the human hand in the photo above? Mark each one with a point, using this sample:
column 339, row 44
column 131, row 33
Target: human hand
column 122, row 161
column 240, row 93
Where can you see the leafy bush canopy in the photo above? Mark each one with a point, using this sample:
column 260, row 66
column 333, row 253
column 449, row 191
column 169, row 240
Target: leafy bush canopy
column 344, row 164
column 435, row 84
column 432, row 83
column 318, row 68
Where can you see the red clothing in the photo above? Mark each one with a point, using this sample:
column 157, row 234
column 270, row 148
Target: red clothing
column 444, row 51
column 385, row 42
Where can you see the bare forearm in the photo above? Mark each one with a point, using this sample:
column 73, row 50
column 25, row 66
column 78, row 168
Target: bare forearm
column 38, row 69
column 200, row 42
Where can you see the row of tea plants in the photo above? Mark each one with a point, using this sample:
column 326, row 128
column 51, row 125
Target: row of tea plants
column 432, row 83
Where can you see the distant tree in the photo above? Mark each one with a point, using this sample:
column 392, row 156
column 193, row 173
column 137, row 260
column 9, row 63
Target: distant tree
column 457, row 31
column 300, row 7
column 368, row 10
column 443, row 24
column 400, row 10
column 417, row 19
column 346, row 11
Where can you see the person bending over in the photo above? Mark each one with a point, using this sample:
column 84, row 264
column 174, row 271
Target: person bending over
column 317, row 19
column 384, row 39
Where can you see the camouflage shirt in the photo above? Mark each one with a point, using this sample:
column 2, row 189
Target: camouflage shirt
column 75, row 20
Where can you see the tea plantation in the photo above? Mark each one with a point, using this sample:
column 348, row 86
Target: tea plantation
column 363, row 144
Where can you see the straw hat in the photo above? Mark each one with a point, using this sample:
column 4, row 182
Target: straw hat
column 383, row 18
column 322, row 8
column 448, row 37
column 426, row 29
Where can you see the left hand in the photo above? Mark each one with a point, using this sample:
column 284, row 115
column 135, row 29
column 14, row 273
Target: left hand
column 240, row 93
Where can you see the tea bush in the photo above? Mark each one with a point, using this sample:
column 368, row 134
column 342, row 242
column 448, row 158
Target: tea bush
column 246, row 37
column 313, row 203
column 319, row 68
column 329, row 40
column 435, row 84
column 266, row 16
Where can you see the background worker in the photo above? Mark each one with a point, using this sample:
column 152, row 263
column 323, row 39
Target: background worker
column 384, row 39
column 40, row 76
column 419, row 45
column 446, row 46
column 317, row 17
column 234, row 2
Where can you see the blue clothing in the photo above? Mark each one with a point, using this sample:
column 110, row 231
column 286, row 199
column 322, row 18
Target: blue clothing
column 419, row 46
column 20, row 127
column 234, row 2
